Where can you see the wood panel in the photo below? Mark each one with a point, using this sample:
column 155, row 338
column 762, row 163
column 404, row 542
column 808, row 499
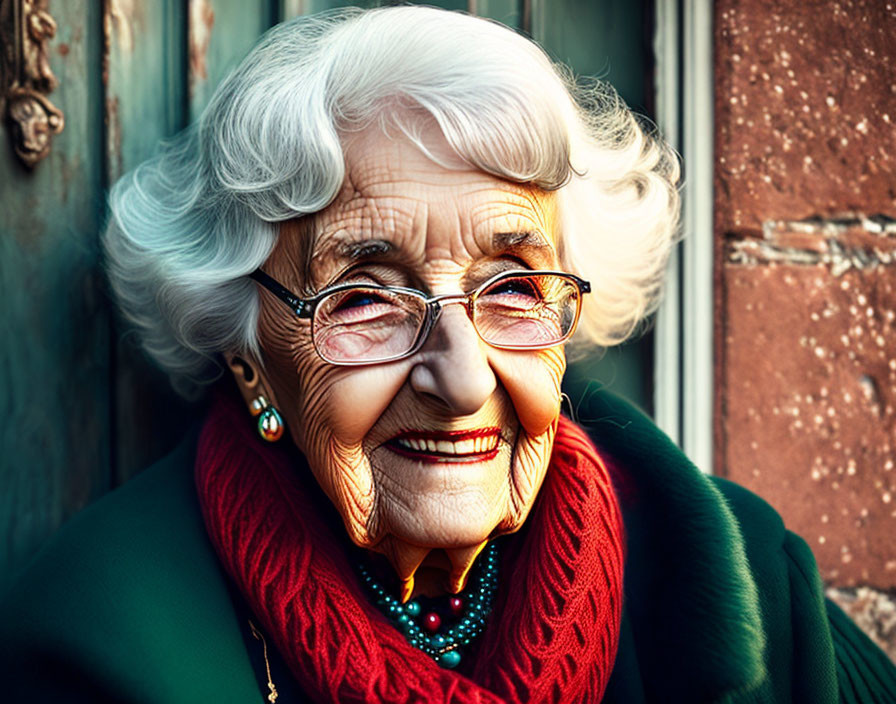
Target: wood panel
column 221, row 32
column 145, row 101
column 509, row 12
column 145, row 78
column 294, row 8
column 610, row 40
column 607, row 40
column 54, row 381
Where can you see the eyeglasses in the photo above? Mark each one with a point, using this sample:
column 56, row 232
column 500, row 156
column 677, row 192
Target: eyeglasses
column 354, row 324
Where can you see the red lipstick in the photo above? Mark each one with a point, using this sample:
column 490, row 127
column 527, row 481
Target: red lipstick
column 476, row 445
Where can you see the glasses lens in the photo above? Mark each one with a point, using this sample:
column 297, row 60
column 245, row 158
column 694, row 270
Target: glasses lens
column 536, row 310
column 367, row 324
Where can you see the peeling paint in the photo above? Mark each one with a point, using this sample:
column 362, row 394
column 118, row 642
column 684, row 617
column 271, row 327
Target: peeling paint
column 120, row 15
column 113, row 137
column 202, row 19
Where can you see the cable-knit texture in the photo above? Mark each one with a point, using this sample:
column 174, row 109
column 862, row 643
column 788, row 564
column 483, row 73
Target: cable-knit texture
column 552, row 635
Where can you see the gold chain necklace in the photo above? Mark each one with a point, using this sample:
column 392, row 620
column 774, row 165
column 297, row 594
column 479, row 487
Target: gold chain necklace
column 272, row 697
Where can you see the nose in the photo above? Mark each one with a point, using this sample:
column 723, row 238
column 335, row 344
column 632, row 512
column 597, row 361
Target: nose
column 453, row 366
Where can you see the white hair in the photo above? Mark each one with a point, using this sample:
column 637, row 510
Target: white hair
column 188, row 225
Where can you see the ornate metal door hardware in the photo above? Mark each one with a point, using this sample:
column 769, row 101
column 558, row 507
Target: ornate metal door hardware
column 25, row 30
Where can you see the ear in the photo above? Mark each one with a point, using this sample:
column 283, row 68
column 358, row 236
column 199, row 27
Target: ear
column 249, row 377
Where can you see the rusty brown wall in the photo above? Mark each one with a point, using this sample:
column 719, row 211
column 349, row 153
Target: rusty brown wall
column 805, row 238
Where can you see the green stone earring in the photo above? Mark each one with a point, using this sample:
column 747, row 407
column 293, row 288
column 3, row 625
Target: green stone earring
column 270, row 423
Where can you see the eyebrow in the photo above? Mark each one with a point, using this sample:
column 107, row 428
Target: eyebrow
column 365, row 248
column 530, row 242
column 344, row 248
column 512, row 240
column 345, row 251
column 501, row 241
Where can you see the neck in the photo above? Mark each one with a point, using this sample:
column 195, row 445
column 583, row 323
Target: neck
column 428, row 572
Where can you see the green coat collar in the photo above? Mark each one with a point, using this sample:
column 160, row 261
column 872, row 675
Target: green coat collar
column 130, row 603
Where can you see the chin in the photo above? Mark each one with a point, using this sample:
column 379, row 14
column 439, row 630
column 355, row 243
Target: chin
column 439, row 502
column 462, row 530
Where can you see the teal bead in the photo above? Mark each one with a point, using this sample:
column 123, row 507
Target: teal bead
column 449, row 660
column 442, row 647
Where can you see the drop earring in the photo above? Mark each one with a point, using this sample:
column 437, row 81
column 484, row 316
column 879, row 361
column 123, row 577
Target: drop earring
column 270, row 423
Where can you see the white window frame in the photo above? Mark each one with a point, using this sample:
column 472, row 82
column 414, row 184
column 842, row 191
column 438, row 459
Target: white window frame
column 683, row 347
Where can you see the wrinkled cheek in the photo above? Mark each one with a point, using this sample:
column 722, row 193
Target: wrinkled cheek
column 343, row 472
column 342, row 408
column 532, row 380
column 327, row 415
column 357, row 398
column 528, row 469
column 350, row 479
column 533, row 383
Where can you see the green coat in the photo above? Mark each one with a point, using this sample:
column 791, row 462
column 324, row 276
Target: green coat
column 129, row 603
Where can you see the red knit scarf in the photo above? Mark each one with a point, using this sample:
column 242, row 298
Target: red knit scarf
column 552, row 635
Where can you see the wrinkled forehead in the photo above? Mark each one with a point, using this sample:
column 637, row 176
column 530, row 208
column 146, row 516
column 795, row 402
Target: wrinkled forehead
column 416, row 202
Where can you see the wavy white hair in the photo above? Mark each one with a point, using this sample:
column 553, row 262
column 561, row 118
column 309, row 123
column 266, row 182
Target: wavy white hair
column 188, row 225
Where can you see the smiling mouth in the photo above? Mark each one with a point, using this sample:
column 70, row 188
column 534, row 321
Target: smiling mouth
column 447, row 446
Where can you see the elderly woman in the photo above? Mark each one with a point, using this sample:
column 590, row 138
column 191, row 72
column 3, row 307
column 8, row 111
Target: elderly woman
column 387, row 226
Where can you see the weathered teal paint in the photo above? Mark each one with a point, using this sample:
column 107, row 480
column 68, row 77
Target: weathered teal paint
column 54, row 347
column 147, row 41
column 507, row 12
column 295, row 8
column 607, row 40
column 146, row 79
column 221, row 34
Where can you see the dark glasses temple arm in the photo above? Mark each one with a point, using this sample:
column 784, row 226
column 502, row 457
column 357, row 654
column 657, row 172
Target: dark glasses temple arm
column 299, row 307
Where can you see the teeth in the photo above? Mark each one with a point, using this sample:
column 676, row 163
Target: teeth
column 465, row 447
column 471, row 446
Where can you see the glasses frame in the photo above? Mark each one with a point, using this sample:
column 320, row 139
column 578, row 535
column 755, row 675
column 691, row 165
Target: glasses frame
column 306, row 307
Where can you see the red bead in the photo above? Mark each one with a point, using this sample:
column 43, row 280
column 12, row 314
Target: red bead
column 431, row 622
column 456, row 604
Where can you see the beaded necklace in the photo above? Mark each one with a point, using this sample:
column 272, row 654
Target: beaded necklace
column 429, row 626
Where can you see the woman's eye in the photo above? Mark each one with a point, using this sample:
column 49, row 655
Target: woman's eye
column 358, row 299
column 513, row 287
column 357, row 307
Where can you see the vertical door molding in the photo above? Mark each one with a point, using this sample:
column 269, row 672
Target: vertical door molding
column 684, row 340
column 667, row 372
column 697, row 250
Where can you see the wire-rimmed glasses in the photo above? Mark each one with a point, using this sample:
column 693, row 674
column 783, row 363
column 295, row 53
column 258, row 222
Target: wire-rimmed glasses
column 364, row 323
